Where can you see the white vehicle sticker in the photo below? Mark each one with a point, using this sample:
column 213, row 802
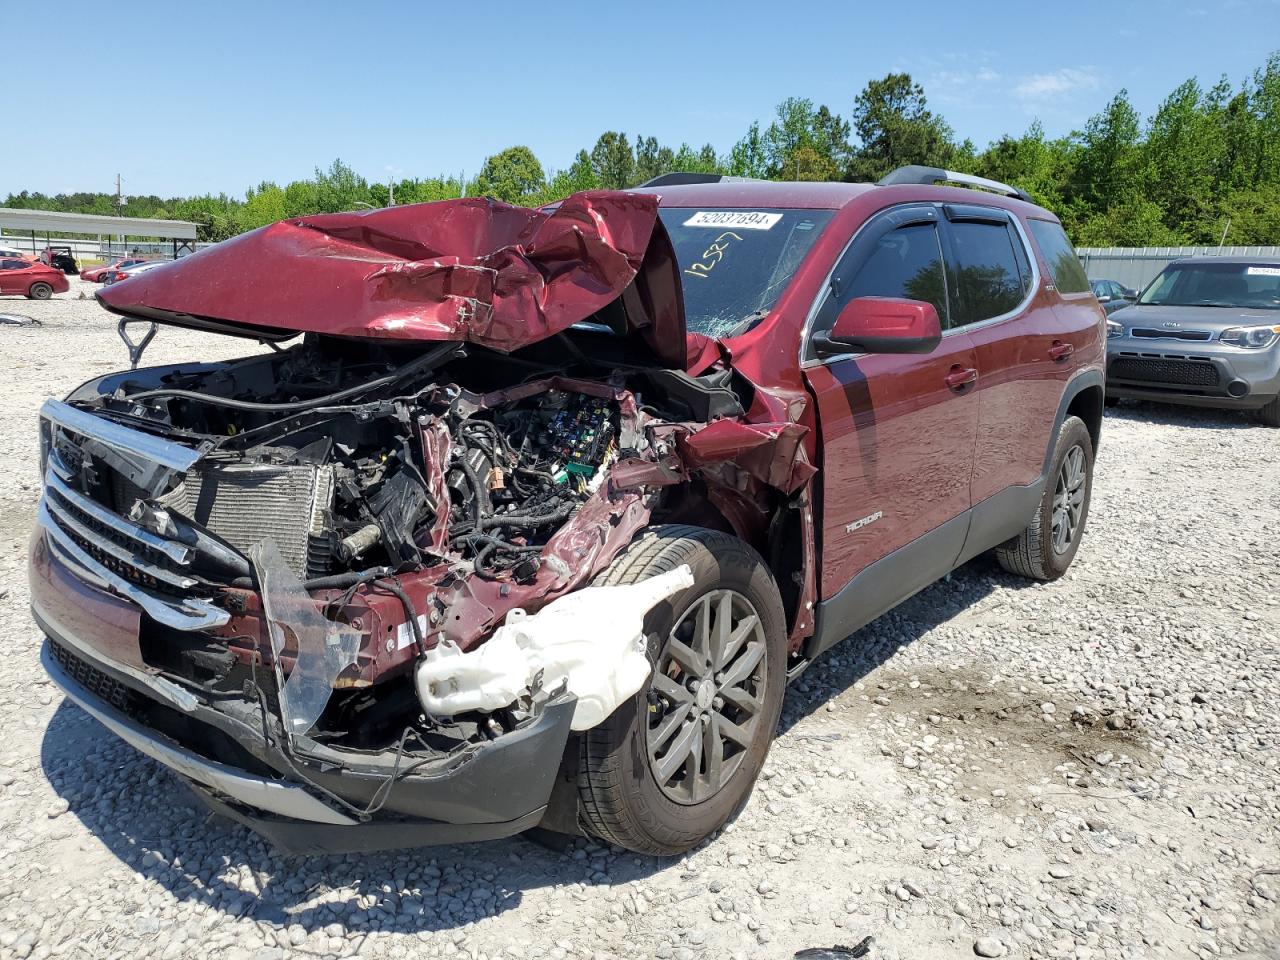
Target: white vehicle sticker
column 404, row 632
column 733, row 219
column 1263, row 271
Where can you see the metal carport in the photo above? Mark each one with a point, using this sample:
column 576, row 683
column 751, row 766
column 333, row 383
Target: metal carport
column 48, row 222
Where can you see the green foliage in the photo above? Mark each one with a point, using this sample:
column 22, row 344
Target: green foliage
column 748, row 158
column 1206, row 161
column 511, row 175
column 804, row 142
column 895, row 127
column 613, row 161
column 262, row 206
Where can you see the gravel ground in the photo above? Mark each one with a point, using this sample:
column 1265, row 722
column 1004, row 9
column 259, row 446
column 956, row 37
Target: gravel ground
column 1087, row 769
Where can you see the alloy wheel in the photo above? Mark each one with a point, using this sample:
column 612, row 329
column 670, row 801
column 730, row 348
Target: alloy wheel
column 706, row 696
column 1068, row 499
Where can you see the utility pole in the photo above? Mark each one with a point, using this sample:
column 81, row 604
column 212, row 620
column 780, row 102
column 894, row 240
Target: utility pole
column 1224, row 233
column 119, row 203
column 391, row 192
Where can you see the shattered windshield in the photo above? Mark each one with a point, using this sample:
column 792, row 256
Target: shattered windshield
column 1252, row 285
column 736, row 263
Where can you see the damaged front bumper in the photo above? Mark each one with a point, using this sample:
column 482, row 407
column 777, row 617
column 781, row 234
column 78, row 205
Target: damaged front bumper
column 461, row 795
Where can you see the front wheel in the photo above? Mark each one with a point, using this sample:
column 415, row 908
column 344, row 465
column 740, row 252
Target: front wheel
column 40, row 291
column 676, row 762
column 1045, row 549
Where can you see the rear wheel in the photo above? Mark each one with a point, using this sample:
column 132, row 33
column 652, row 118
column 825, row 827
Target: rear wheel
column 1270, row 414
column 40, row 291
column 675, row 763
column 1046, row 548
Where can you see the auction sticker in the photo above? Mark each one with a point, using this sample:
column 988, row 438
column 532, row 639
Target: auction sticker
column 1252, row 271
column 733, row 219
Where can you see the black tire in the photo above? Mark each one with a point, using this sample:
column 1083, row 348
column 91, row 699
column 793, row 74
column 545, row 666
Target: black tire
column 1270, row 414
column 621, row 799
column 1033, row 552
column 40, row 291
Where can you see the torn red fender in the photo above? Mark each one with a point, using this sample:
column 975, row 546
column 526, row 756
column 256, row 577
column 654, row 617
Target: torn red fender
column 703, row 353
column 773, row 453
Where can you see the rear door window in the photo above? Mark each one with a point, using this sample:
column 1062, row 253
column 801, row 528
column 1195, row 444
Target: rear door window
column 991, row 278
column 1064, row 264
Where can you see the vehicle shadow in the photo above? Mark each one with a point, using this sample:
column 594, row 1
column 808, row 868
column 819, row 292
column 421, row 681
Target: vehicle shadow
column 1170, row 414
column 149, row 820
column 851, row 660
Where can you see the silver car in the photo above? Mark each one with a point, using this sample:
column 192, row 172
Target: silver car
column 112, row 276
column 1205, row 332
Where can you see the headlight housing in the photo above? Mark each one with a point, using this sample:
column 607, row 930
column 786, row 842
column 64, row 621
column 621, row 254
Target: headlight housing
column 1114, row 329
column 1251, row 338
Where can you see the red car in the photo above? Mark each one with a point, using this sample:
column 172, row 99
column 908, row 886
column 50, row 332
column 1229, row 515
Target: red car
column 538, row 518
column 31, row 279
column 99, row 274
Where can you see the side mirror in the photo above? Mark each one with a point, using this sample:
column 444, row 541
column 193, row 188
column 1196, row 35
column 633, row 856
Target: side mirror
column 881, row 325
column 1130, row 293
column 1104, row 298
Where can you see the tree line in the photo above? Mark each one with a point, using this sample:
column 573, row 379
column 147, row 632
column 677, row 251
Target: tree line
column 1204, row 168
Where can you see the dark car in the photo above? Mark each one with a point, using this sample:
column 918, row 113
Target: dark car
column 1206, row 333
column 31, row 279
column 1112, row 295
column 533, row 523
column 60, row 257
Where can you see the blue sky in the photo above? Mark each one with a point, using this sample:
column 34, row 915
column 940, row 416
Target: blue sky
column 184, row 98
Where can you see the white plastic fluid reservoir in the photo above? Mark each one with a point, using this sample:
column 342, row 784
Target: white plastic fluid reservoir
column 593, row 639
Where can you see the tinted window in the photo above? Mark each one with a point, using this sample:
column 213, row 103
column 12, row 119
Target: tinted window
column 907, row 263
column 1063, row 263
column 736, row 263
column 988, row 278
column 1208, row 284
column 12, row 264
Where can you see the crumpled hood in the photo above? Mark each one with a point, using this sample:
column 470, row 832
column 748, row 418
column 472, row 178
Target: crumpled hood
column 473, row 269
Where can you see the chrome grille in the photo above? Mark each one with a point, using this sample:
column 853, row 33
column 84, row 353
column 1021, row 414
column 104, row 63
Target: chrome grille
column 108, row 549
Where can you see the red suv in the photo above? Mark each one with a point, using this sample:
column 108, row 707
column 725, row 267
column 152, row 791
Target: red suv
column 542, row 509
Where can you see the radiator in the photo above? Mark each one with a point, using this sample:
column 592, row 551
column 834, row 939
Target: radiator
column 245, row 504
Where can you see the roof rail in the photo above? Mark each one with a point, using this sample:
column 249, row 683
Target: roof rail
column 680, row 179
column 915, row 173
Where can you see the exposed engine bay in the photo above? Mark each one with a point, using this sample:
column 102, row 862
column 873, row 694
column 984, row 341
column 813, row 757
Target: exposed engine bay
column 348, row 476
column 335, row 472
column 421, row 501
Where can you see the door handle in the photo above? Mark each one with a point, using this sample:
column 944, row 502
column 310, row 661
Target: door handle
column 960, row 377
column 1060, row 351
